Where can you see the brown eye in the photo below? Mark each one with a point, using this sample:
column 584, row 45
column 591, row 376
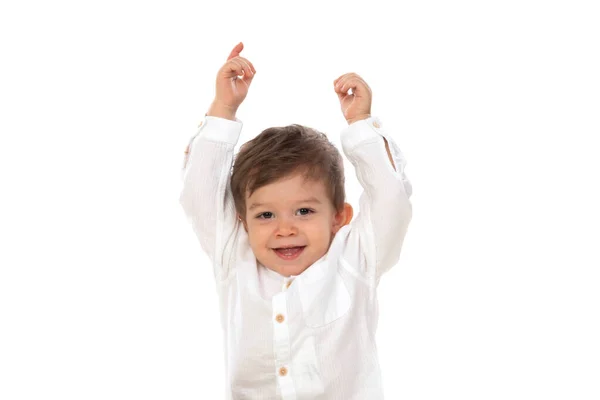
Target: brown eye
column 305, row 211
column 265, row 215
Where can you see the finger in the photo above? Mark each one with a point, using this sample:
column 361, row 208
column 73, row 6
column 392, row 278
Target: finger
column 335, row 82
column 236, row 50
column 363, row 87
column 346, row 75
column 248, row 67
column 357, row 84
column 248, row 75
column 342, row 81
column 233, row 68
column 342, row 96
column 242, row 67
column 247, row 79
column 249, row 63
column 343, row 84
column 343, row 76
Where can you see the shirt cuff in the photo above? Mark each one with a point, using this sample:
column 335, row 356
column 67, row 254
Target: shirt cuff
column 218, row 129
column 361, row 131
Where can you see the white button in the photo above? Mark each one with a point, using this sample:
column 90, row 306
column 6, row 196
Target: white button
column 376, row 124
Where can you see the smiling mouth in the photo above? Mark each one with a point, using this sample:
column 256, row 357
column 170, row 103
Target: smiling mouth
column 289, row 253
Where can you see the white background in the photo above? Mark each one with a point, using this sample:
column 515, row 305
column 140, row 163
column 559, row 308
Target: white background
column 104, row 291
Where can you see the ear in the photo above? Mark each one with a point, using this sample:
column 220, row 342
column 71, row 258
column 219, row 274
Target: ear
column 343, row 218
column 239, row 217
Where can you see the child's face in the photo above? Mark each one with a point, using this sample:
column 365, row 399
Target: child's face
column 292, row 212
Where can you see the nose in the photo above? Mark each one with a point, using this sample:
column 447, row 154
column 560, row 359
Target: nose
column 286, row 227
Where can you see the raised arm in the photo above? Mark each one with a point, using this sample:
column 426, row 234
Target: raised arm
column 205, row 196
column 375, row 237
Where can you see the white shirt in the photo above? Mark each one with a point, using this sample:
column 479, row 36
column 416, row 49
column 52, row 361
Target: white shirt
column 311, row 336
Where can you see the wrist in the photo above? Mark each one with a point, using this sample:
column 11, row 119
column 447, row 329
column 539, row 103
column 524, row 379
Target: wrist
column 221, row 111
column 358, row 118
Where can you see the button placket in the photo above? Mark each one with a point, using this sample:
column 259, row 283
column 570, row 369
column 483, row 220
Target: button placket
column 281, row 337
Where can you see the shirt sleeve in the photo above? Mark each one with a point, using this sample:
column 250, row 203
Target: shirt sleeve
column 206, row 196
column 376, row 235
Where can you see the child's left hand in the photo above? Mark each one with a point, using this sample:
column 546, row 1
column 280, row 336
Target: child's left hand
column 355, row 106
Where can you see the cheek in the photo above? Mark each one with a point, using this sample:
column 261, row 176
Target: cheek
column 320, row 230
column 257, row 234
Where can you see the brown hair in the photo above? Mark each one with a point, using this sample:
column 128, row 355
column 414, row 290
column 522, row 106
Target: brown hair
column 279, row 152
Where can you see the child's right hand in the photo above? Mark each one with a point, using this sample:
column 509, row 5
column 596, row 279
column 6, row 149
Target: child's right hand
column 233, row 80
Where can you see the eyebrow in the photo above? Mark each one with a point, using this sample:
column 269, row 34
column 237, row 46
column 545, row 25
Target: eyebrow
column 309, row 200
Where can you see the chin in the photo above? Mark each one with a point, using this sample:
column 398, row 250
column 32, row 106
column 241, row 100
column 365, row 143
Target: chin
column 287, row 270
